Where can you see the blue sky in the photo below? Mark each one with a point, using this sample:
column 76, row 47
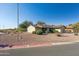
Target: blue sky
column 8, row 15
column 50, row 13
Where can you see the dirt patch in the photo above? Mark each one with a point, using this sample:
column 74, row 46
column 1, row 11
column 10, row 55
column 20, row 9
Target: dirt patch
column 33, row 39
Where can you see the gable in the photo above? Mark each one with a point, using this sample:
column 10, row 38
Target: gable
column 30, row 29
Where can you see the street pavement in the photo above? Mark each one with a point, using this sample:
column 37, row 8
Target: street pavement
column 57, row 50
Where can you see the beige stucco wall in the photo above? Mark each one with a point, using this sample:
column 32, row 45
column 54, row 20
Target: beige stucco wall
column 59, row 30
column 30, row 29
column 71, row 30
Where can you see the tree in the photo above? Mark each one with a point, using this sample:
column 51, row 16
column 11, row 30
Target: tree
column 76, row 27
column 41, row 23
column 70, row 24
column 23, row 26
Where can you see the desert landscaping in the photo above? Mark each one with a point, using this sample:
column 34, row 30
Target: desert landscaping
column 41, row 33
column 33, row 39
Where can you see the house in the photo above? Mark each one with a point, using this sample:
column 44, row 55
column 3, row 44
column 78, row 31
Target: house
column 60, row 28
column 69, row 29
column 31, row 29
column 45, row 28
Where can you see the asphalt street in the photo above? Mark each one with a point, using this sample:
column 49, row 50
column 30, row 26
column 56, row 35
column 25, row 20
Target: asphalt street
column 59, row 50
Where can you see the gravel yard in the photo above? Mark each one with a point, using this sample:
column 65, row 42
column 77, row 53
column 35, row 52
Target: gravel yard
column 27, row 38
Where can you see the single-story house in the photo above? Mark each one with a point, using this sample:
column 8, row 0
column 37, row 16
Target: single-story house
column 46, row 28
column 69, row 29
column 59, row 28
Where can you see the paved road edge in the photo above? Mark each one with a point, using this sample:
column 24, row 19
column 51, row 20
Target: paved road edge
column 41, row 45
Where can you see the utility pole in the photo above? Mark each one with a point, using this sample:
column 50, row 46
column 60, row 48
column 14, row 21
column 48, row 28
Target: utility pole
column 17, row 15
column 19, row 37
column 18, row 20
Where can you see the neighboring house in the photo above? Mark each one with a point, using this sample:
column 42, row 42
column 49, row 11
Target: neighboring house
column 59, row 28
column 69, row 29
column 31, row 29
column 45, row 28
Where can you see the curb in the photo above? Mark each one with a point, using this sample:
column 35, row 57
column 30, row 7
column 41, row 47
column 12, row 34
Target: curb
column 49, row 44
column 53, row 44
column 63, row 43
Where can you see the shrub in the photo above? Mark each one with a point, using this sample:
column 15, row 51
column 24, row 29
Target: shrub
column 53, row 31
column 39, row 32
column 76, row 34
column 59, row 35
column 34, row 32
column 20, row 30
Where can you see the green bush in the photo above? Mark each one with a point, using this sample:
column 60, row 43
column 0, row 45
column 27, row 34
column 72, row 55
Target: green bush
column 39, row 32
column 34, row 32
column 20, row 30
column 59, row 35
column 53, row 31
